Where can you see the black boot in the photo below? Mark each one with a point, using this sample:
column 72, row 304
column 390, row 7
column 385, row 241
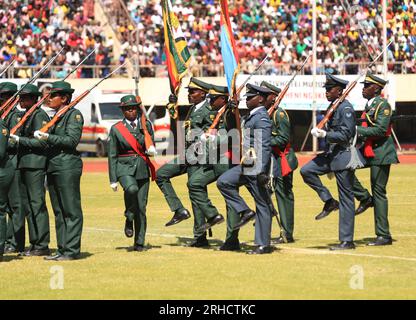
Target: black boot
column 329, row 206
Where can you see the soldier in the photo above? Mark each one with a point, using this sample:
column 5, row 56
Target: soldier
column 284, row 162
column 380, row 153
column 197, row 122
column 32, row 166
column 64, row 170
column 219, row 161
column 17, row 203
column 129, row 164
column 339, row 133
column 253, row 172
column 6, row 177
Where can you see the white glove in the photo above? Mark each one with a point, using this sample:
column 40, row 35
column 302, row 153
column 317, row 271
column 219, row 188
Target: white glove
column 151, row 151
column 41, row 135
column 318, row 133
column 114, row 186
column 212, row 137
column 14, row 138
column 203, row 137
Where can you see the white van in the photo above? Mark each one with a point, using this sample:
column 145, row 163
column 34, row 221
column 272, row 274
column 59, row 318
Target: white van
column 101, row 110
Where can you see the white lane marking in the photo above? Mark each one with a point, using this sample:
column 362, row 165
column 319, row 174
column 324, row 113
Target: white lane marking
column 296, row 250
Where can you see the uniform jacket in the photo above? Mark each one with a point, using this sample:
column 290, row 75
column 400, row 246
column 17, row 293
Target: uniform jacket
column 340, row 133
column 5, row 163
column 378, row 121
column 280, row 139
column 198, row 122
column 31, row 151
column 256, row 133
column 11, row 120
column 127, row 165
column 63, row 140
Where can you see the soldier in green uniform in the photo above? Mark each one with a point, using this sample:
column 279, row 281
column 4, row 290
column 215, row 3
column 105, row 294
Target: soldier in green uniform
column 17, row 203
column 380, row 153
column 197, row 122
column 219, row 161
column 32, row 166
column 130, row 165
column 284, row 162
column 6, row 177
column 64, row 170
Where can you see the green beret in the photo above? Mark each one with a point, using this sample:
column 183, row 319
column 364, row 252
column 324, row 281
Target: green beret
column 30, row 89
column 61, row 87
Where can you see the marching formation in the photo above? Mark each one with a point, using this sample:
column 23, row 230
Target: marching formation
column 220, row 146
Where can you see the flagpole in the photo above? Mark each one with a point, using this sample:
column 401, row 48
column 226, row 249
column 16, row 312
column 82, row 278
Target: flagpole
column 314, row 65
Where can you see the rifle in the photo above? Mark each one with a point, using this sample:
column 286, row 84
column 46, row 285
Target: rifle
column 344, row 95
column 29, row 112
column 148, row 141
column 235, row 97
column 73, row 103
column 286, row 88
column 12, row 101
column 7, row 68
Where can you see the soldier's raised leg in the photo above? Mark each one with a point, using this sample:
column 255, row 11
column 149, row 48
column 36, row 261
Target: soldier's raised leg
column 362, row 195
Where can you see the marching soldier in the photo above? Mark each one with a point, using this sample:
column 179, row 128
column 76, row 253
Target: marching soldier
column 219, row 161
column 197, row 122
column 253, row 170
column 130, row 165
column 64, row 170
column 6, row 177
column 17, row 203
column 284, row 162
column 32, row 166
column 339, row 133
column 380, row 153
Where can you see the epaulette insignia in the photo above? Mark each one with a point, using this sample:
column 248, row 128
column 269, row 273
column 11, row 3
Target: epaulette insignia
column 78, row 117
column 212, row 116
column 44, row 123
column 4, row 132
column 386, row 112
column 282, row 115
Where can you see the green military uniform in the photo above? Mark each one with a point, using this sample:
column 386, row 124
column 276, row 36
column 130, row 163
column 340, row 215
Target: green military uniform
column 32, row 165
column 219, row 161
column 6, row 177
column 64, row 170
column 17, row 201
column 131, row 170
column 198, row 121
column 377, row 133
column 283, row 184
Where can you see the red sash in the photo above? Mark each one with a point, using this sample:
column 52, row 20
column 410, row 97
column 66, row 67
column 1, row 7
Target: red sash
column 132, row 141
column 368, row 144
column 282, row 154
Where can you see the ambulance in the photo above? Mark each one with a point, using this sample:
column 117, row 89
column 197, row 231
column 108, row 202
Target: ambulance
column 101, row 110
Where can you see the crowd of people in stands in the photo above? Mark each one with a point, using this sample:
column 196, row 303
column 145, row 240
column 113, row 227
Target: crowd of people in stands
column 349, row 34
column 31, row 32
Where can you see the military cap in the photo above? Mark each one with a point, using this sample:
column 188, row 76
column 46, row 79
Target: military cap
column 253, row 90
column 218, row 91
column 61, row 87
column 332, row 81
column 30, row 89
column 198, row 84
column 128, row 101
column 8, row 87
column 273, row 88
column 371, row 78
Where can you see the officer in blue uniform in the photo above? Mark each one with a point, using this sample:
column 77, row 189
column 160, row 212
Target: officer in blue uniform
column 339, row 133
column 253, row 170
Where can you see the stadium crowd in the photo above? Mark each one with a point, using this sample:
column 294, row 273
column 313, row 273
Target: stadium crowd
column 345, row 29
column 33, row 31
column 348, row 31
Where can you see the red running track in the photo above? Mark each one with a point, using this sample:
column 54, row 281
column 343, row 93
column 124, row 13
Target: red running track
column 102, row 165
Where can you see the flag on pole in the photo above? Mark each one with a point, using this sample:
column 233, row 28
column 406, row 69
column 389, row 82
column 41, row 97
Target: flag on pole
column 176, row 48
column 228, row 48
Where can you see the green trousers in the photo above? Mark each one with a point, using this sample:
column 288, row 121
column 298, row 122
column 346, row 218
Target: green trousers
column 136, row 193
column 33, row 181
column 164, row 174
column 6, row 177
column 198, row 193
column 379, row 176
column 64, row 191
column 18, row 210
column 283, row 189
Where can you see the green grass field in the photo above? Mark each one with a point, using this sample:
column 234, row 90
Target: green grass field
column 305, row 269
